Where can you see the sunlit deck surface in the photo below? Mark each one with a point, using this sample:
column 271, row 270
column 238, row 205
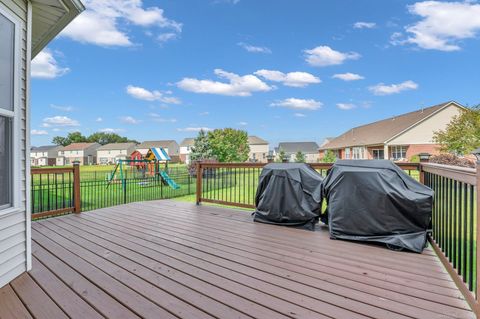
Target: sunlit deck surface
column 167, row 259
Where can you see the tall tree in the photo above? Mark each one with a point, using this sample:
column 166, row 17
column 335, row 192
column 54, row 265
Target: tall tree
column 229, row 145
column 462, row 134
column 201, row 149
column 73, row 137
column 281, row 155
column 300, row 157
column 98, row 137
column 106, row 138
column 329, row 157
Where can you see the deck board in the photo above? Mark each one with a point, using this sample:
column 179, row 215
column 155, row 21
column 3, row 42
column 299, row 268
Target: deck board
column 166, row 259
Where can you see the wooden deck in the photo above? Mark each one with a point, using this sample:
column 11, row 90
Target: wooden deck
column 167, row 259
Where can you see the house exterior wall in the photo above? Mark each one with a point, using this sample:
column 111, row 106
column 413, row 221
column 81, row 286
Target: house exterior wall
column 423, row 132
column 15, row 247
column 258, row 153
column 185, row 154
column 111, row 156
column 46, row 158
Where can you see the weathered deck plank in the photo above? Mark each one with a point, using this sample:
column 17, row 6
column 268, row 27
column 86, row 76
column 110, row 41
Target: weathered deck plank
column 166, row 259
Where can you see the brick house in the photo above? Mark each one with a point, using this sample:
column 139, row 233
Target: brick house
column 397, row 138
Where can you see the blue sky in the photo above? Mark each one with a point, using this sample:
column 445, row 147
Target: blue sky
column 283, row 70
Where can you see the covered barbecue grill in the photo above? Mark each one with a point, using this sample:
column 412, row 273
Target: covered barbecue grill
column 288, row 194
column 375, row 200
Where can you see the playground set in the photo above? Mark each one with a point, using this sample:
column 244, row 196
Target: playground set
column 150, row 165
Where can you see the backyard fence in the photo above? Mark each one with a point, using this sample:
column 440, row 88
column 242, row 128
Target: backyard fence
column 56, row 191
column 455, row 216
column 235, row 184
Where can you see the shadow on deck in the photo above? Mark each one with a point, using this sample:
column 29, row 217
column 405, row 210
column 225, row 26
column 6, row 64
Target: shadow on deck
column 167, row 259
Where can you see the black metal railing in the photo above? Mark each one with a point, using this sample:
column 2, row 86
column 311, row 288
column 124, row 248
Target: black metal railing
column 455, row 223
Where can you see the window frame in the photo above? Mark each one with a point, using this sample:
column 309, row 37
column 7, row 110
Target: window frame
column 398, row 149
column 15, row 114
column 358, row 152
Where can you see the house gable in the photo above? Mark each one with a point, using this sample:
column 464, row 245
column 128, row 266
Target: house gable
column 422, row 132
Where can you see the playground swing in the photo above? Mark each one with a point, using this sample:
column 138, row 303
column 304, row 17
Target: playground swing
column 149, row 165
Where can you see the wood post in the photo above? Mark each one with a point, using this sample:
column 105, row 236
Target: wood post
column 477, row 246
column 199, row 172
column 76, row 188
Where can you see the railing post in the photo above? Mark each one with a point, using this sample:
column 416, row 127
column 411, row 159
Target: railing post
column 477, row 245
column 424, row 158
column 199, row 172
column 76, row 188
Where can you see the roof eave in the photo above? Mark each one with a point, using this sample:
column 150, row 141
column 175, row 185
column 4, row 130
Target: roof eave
column 72, row 8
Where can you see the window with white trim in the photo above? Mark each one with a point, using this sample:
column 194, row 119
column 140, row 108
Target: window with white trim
column 8, row 111
column 347, row 153
column 358, row 152
column 398, row 152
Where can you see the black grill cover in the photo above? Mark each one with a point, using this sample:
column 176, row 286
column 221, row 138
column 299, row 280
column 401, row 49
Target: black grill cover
column 375, row 200
column 289, row 194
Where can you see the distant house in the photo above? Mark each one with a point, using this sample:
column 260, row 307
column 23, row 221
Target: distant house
column 44, row 155
column 309, row 150
column 397, row 138
column 186, row 149
column 170, row 146
column 110, row 153
column 258, row 149
column 84, row 153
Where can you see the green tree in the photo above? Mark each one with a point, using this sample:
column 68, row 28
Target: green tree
column 229, row 145
column 300, row 157
column 106, row 138
column 281, row 155
column 329, row 157
column 462, row 134
column 201, row 149
column 73, row 137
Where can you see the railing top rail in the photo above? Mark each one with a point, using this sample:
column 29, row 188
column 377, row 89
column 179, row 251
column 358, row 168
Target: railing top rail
column 461, row 174
column 52, row 170
column 406, row 166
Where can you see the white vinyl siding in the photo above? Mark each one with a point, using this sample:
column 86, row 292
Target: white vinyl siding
column 14, row 224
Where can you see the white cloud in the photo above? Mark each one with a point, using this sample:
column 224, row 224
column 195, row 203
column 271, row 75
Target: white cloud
column 294, row 79
column 299, row 115
column 129, row 120
column 194, row 129
column 382, row 89
column 346, row 106
column 236, row 86
column 165, row 37
column 442, row 25
column 204, row 113
column 59, row 121
column 44, row 66
column 242, row 123
column 99, row 119
column 112, row 130
column 62, row 108
column 348, row 76
column 157, row 118
column 254, row 49
column 38, row 132
column 146, row 95
column 364, row 25
column 106, row 22
column 299, row 104
column 325, row 56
